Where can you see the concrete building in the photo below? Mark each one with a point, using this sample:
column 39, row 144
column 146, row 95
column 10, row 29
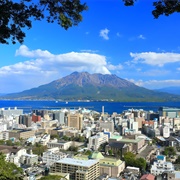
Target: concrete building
column 169, row 112
column 137, row 143
column 78, row 169
column 166, row 132
column 25, row 119
column 29, row 159
column 61, row 145
column 97, row 140
column 19, row 133
column 36, row 118
column 160, row 166
column 110, row 166
column 140, row 120
column 52, row 155
column 10, row 112
column 75, row 120
column 60, row 116
column 107, row 125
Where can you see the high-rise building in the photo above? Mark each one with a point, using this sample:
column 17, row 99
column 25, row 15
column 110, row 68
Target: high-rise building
column 60, row 116
column 75, row 120
column 25, row 119
column 36, row 118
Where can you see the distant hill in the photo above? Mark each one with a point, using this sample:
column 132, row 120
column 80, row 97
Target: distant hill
column 96, row 87
column 171, row 90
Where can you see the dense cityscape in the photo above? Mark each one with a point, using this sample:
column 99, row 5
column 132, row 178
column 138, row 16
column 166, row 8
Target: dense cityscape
column 83, row 144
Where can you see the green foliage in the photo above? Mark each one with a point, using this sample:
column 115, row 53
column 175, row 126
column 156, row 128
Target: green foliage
column 50, row 177
column 131, row 160
column 73, row 148
column 53, row 136
column 9, row 171
column 110, row 152
column 169, row 151
column 66, row 138
column 39, row 149
column 16, row 15
column 161, row 7
column 88, row 152
column 141, row 163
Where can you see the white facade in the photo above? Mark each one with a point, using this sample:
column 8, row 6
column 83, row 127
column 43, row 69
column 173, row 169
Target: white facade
column 161, row 166
column 52, row 155
column 60, row 145
column 97, row 140
column 45, row 139
column 166, row 132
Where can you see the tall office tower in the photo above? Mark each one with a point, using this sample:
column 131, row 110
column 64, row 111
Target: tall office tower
column 25, row 119
column 60, row 116
column 75, row 120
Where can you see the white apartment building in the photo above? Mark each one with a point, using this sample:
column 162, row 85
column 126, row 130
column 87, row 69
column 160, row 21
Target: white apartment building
column 44, row 139
column 160, row 166
column 97, row 140
column 52, row 155
column 60, row 145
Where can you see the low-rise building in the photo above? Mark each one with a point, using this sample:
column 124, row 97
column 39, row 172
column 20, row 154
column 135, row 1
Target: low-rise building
column 61, row 145
column 160, row 166
column 21, row 133
column 78, row 169
column 53, row 155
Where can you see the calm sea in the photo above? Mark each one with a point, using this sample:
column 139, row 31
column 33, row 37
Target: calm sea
column 109, row 107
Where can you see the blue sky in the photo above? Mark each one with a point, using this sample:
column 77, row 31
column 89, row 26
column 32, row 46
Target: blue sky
column 111, row 39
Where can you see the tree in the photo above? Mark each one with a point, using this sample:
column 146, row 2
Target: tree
column 39, row 149
column 15, row 16
column 110, row 152
column 162, row 7
column 9, row 170
column 169, row 151
column 141, row 163
column 129, row 159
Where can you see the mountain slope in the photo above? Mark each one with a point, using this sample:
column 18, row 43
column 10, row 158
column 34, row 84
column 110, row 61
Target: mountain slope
column 83, row 86
column 171, row 90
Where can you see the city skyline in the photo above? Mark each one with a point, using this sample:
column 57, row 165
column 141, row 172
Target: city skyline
column 111, row 39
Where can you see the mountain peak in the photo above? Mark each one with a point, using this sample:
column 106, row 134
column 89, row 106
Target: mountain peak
column 83, row 86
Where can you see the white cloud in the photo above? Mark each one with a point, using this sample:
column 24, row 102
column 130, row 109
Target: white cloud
column 156, row 84
column 114, row 67
column 104, row 33
column 141, row 36
column 44, row 67
column 155, row 59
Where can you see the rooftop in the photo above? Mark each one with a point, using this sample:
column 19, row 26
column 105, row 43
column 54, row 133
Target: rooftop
column 77, row 162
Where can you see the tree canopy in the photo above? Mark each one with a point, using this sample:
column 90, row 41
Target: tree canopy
column 14, row 16
column 161, row 7
column 9, row 170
